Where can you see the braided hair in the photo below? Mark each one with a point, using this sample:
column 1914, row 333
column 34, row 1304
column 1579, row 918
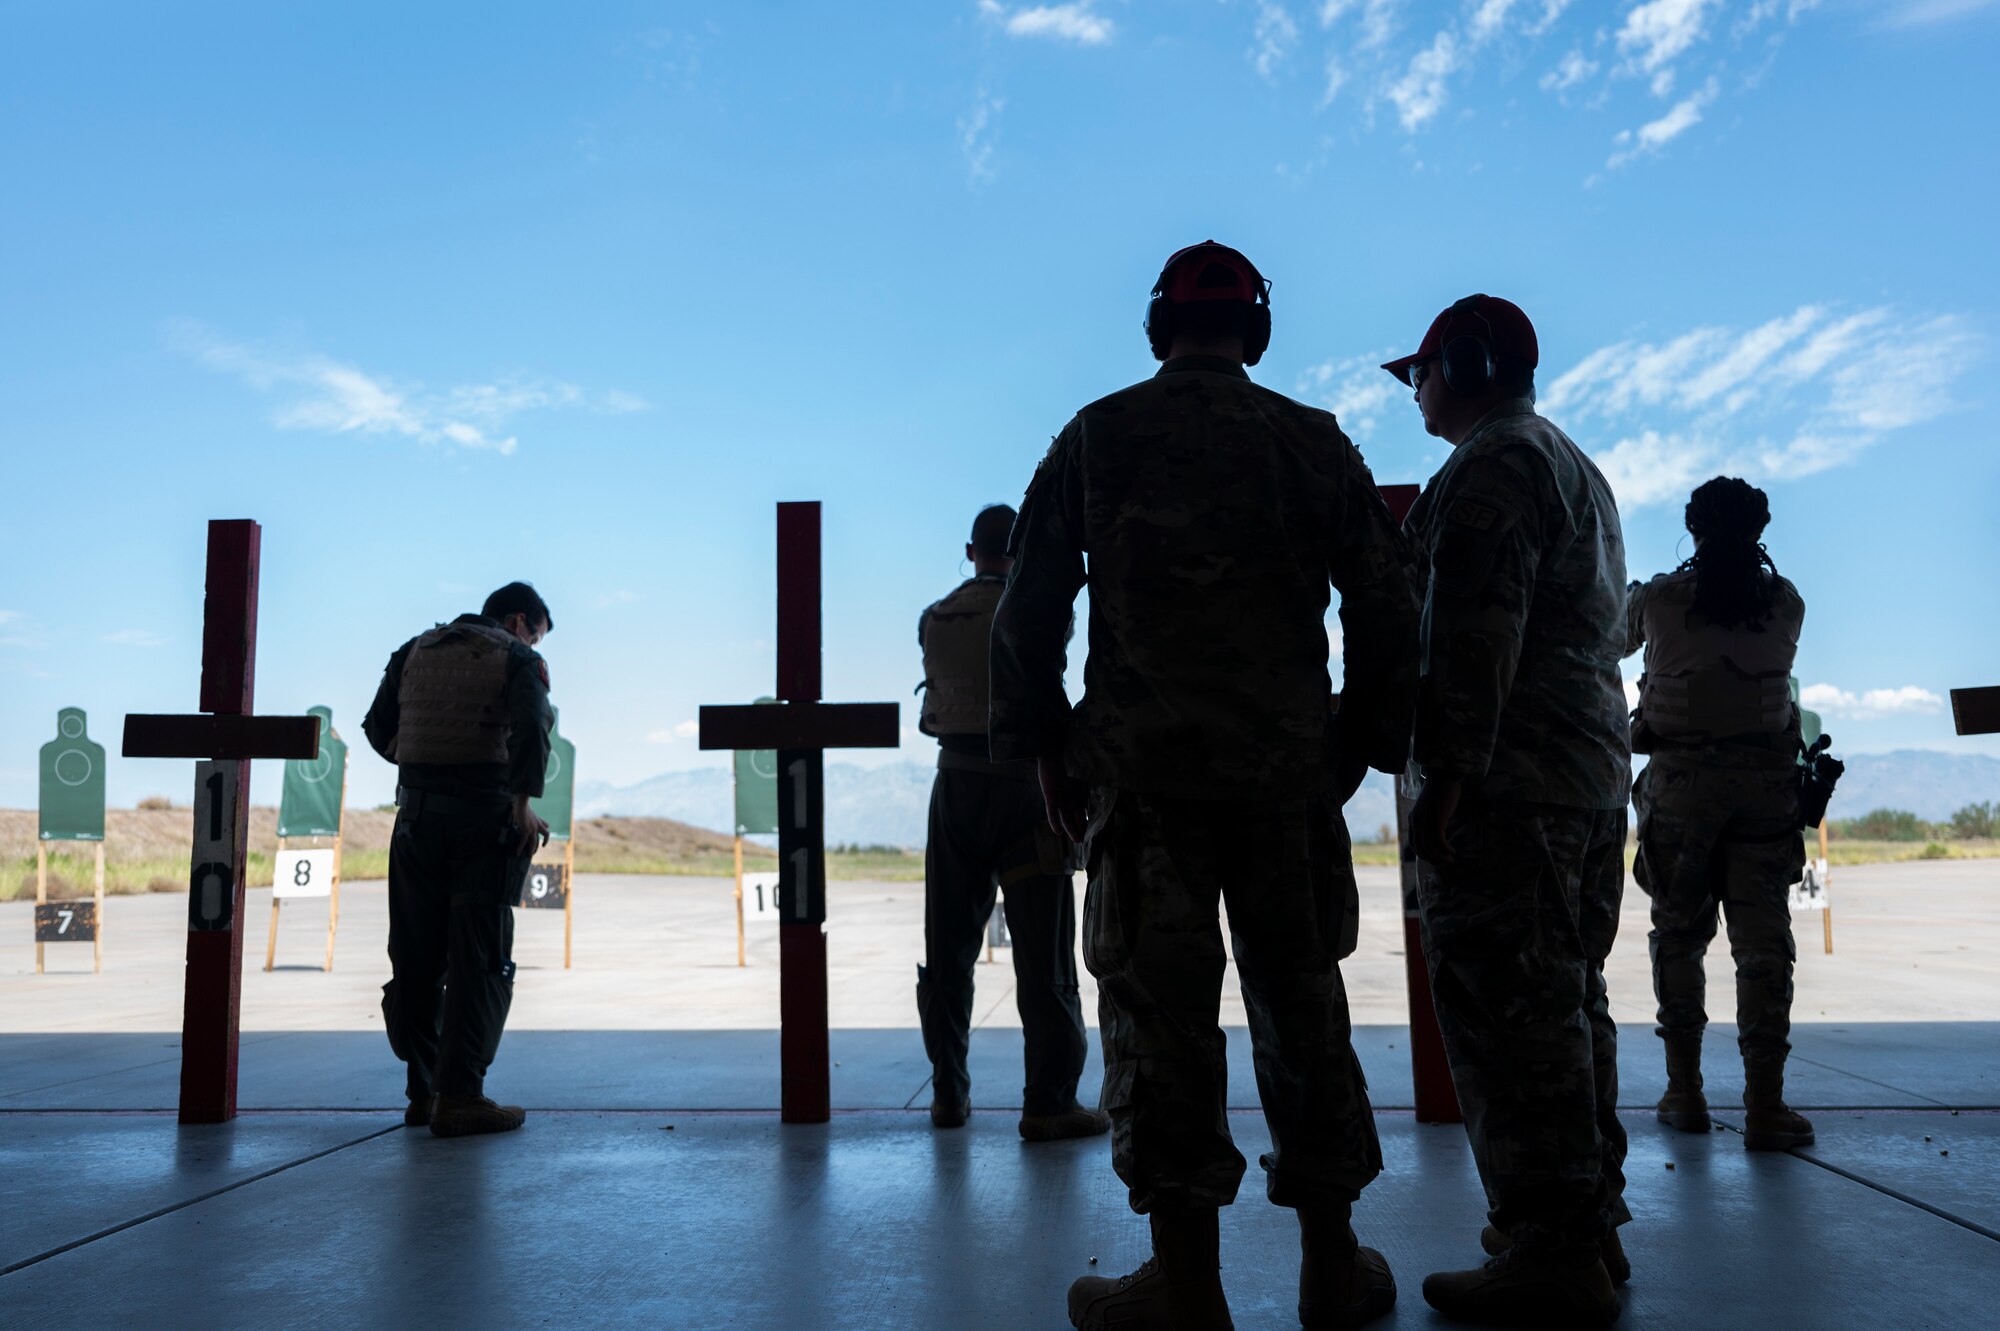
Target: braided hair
column 1727, row 516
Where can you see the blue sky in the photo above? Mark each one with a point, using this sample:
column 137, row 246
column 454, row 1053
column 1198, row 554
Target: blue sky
column 446, row 296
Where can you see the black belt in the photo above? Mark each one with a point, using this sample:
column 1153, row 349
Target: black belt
column 952, row 761
column 416, row 799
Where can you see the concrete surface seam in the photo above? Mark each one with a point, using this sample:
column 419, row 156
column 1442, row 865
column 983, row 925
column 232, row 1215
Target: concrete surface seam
column 1887, row 1191
column 1871, row 1081
column 192, row 1201
column 1801, row 1153
column 94, row 1076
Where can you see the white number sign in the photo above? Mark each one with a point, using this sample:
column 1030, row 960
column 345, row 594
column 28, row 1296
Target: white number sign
column 303, row 873
column 760, row 897
column 1809, row 893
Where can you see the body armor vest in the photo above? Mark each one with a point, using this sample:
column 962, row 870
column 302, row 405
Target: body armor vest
column 453, row 699
column 956, row 635
column 1706, row 682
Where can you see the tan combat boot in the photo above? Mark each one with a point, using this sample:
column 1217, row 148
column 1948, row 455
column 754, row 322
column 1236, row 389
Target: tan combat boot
column 470, row 1115
column 1609, row 1248
column 1178, row 1288
column 1769, row 1124
column 949, row 1113
column 1684, row 1106
column 1341, row 1284
column 1076, row 1121
column 418, row 1115
column 1552, row 1287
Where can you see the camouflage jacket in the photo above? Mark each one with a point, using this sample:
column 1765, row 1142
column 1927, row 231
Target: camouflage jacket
column 1207, row 515
column 1524, row 619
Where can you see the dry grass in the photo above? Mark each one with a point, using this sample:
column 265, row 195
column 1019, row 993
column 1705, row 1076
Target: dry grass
column 146, row 850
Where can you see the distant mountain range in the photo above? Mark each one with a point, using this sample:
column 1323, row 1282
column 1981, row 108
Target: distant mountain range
column 889, row 805
column 868, row 806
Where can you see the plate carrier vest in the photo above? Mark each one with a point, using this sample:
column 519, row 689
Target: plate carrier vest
column 956, row 633
column 454, row 696
column 1705, row 682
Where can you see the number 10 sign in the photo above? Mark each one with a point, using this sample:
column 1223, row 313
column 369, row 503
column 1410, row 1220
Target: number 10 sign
column 212, row 881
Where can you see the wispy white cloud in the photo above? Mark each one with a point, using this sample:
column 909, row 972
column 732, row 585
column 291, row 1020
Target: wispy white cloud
column 1654, row 135
column 1077, row 22
column 1920, row 13
column 678, row 733
column 1658, row 32
column 1793, row 396
column 979, row 134
column 1354, row 389
column 1831, row 701
column 1421, row 93
column 9, row 616
column 1273, row 36
column 1571, row 70
column 327, row 396
column 1551, row 11
column 1487, row 18
column 134, row 638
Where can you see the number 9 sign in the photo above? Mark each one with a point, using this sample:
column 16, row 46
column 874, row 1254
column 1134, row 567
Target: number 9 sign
column 546, row 888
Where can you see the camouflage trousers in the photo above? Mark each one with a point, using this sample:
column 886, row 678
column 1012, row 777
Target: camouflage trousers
column 1153, row 938
column 1720, row 829
column 1516, row 931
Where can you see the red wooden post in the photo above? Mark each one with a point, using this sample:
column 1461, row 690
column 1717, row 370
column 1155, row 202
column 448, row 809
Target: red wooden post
column 806, row 1085
column 225, row 740
column 211, row 1014
column 1430, row 1072
column 801, row 728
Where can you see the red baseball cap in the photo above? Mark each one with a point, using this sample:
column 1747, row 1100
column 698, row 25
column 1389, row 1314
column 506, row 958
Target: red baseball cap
column 1196, row 273
column 1500, row 324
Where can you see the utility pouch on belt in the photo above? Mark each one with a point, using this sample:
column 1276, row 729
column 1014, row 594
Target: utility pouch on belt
column 1042, row 854
column 514, row 871
column 1819, row 772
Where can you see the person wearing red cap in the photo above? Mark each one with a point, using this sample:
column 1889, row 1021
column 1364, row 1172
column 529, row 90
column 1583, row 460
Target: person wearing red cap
column 1202, row 764
column 1522, row 744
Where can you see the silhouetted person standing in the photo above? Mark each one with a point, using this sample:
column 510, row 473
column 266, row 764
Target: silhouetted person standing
column 988, row 831
column 1207, row 516
column 1521, row 742
column 1719, row 801
column 463, row 712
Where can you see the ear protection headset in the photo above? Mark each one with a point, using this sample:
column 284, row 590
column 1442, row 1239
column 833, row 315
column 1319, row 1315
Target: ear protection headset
column 1466, row 360
column 1160, row 309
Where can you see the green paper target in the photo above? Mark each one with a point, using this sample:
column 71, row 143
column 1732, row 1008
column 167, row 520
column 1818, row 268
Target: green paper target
column 557, row 802
column 72, row 786
column 309, row 804
column 757, row 788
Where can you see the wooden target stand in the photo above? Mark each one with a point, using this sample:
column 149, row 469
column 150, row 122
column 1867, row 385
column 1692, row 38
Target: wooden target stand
column 76, row 921
column 551, row 885
column 304, row 885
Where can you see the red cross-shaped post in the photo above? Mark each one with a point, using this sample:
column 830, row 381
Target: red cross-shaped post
column 801, row 729
column 225, row 739
column 1430, row 1073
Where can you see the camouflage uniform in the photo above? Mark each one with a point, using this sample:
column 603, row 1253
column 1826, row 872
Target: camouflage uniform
column 1523, row 627
column 1213, row 513
column 1718, row 826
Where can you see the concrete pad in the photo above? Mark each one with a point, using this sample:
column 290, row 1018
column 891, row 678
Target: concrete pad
column 877, row 1221
column 66, row 1177
column 1943, row 1065
column 1949, row 1161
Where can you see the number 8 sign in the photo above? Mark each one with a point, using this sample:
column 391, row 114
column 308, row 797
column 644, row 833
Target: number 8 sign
column 303, row 873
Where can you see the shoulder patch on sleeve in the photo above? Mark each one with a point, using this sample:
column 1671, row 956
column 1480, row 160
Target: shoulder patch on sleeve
column 1473, row 514
column 542, row 669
